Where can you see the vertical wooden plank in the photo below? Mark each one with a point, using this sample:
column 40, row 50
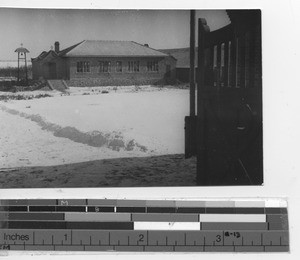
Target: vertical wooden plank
column 226, row 64
column 214, row 65
column 211, row 66
column 202, row 157
column 233, row 62
column 192, row 63
column 247, row 59
column 238, row 62
column 252, row 59
column 219, row 65
column 242, row 60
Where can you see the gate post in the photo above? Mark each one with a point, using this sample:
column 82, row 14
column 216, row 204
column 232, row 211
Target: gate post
column 202, row 153
column 190, row 121
column 192, row 65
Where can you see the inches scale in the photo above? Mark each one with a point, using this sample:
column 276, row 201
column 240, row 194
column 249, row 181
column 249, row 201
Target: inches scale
column 144, row 225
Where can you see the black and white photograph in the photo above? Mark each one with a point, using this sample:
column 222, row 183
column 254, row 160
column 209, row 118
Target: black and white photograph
column 130, row 98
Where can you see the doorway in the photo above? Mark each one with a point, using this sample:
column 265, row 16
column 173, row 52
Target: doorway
column 49, row 70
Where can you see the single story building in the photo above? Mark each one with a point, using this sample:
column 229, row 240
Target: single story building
column 106, row 63
column 182, row 55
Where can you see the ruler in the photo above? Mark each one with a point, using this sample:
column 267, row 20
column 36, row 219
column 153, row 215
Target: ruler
column 144, row 225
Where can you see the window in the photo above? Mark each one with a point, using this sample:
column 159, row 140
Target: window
column 104, row 66
column 83, row 66
column 152, row 66
column 133, row 66
column 119, row 66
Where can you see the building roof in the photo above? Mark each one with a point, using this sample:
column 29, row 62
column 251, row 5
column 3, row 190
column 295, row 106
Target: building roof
column 45, row 54
column 65, row 51
column 182, row 55
column 90, row 48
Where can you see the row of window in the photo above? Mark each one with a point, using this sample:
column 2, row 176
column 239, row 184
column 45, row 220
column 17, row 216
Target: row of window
column 105, row 66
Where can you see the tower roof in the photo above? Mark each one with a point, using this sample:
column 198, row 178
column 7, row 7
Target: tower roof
column 22, row 49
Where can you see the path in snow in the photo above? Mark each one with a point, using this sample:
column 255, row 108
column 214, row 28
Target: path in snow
column 114, row 140
column 24, row 143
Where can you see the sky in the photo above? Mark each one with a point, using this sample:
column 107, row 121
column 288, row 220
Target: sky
column 38, row 29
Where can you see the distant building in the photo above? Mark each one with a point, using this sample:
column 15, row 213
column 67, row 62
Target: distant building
column 104, row 63
column 182, row 55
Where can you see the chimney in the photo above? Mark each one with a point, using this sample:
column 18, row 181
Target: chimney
column 56, row 47
column 146, row 45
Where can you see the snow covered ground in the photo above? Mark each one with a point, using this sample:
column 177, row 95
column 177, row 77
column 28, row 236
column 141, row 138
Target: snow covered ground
column 88, row 124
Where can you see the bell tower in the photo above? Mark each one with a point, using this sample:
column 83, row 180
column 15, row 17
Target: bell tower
column 22, row 57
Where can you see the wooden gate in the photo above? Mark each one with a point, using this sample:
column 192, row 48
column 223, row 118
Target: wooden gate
column 229, row 102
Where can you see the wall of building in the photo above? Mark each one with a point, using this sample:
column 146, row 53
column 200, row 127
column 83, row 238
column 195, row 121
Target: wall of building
column 143, row 77
column 172, row 62
column 41, row 68
column 61, row 68
column 35, row 70
column 183, row 74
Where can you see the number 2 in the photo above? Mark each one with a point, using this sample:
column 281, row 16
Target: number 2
column 141, row 238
